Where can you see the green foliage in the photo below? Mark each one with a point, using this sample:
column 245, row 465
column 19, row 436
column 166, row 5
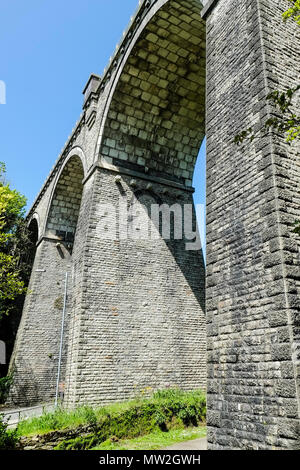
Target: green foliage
column 14, row 241
column 153, row 441
column 165, row 410
column 284, row 122
column 8, row 439
column 248, row 133
column 90, row 416
column 297, row 227
column 12, row 204
column 62, row 419
column 10, row 283
column 293, row 12
column 5, row 383
column 287, row 122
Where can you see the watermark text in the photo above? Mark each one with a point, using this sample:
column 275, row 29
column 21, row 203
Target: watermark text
column 2, row 92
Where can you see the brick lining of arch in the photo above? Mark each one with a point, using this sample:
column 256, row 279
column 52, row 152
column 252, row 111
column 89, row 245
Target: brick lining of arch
column 65, row 205
column 155, row 121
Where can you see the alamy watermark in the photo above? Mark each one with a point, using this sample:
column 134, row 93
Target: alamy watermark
column 2, row 353
column 2, row 92
column 137, row 221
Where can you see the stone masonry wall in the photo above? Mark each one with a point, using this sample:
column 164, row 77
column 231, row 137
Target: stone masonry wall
column 35, row 358
column 252, row 256
column 141, row 324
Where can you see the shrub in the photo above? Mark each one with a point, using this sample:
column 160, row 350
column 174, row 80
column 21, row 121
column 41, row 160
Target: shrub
column 90, row 416
column 8, row 439
column 5, row 383
column 165, row 410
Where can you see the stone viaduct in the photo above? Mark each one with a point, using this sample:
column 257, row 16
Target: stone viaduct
column 136, row 313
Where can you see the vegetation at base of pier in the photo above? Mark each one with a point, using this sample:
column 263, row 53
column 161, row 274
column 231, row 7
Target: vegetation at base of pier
column 154, row 440
column 8, row 438
column 165, row 410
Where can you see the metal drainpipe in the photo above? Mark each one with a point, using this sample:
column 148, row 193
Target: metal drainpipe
column 61, row 339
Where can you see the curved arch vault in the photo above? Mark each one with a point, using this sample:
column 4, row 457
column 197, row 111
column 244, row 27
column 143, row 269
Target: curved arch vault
column 136, row 313
column 156, row 110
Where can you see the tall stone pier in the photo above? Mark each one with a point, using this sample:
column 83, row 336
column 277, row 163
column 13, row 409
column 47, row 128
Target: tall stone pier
column 253, row 275
column 136, row 317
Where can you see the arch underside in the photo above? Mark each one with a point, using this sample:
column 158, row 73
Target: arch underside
column 65, row 204
column 156, row 117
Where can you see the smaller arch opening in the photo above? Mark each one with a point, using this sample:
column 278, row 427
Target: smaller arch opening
column 33, row 236
column 65, row 204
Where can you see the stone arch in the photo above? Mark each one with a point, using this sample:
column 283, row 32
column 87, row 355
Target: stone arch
column 154, row 119
column 65, row 202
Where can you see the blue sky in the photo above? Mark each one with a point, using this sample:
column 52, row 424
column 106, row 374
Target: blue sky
column 48, row 50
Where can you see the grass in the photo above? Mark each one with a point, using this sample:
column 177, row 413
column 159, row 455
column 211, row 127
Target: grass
column 164, row 418
column 154, row 440
column 64, row 419
column 164, row 410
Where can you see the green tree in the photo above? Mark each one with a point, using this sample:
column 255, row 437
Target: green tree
column 17, row 251
column 12, row 205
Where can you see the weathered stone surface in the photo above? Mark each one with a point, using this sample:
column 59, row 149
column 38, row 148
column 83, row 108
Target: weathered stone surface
column 252, row 254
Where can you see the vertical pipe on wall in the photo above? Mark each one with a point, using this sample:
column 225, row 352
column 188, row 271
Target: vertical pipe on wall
column 61, row 339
